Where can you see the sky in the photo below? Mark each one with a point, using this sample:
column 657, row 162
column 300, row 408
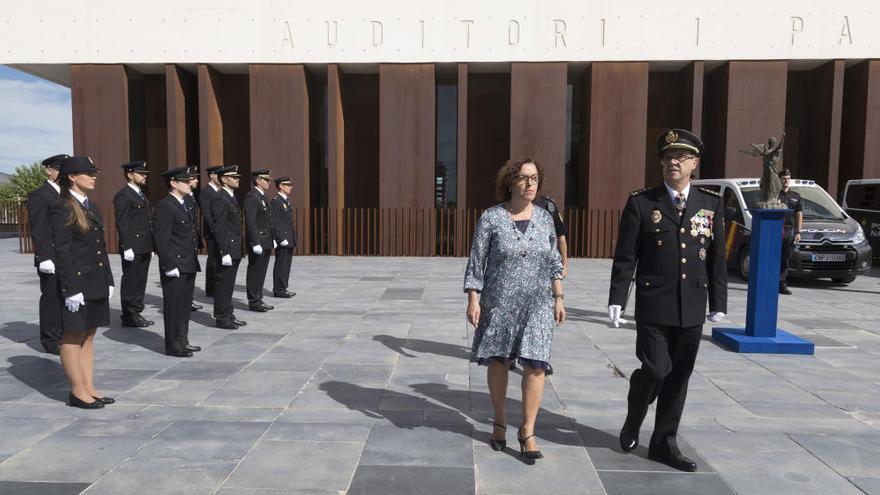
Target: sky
column 35, row 119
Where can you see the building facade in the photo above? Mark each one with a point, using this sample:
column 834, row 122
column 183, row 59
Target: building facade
column 415, row 105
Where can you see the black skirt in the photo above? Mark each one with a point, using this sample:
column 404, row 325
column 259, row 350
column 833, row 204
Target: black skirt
column 94, row 313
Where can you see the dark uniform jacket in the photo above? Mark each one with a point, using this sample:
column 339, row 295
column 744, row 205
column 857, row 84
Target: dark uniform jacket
column 282, row 221
column 192, row 206
column 226, row 222
column 39, row 203
column 550, row 205
column 133, row 221
column 81, row 260
column 206, row 198
column 176, row 238
column 678, row 261
column 258, row 220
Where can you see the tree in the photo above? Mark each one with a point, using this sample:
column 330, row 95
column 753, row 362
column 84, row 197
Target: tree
column 25, row 179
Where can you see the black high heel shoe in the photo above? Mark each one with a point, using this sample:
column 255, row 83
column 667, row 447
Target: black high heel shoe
column 498, row 445
column 73, row 401
column 528, row 454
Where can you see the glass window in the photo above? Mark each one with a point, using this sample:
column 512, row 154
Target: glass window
column 445, row 170
column 863, row 196
column 732, row 210
column 818, row 205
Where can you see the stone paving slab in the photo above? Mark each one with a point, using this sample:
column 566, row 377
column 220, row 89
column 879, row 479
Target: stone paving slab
column 361, row 384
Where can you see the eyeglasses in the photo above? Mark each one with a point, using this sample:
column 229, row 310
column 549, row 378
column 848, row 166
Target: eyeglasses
column 678, row 159
column 526, row 179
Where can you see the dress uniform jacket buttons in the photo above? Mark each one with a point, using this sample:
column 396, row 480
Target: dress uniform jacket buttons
column 684, row 275
column 683, row 245
column 100, row 264
column 681, row 230
column 99, row 252
column 684, row 260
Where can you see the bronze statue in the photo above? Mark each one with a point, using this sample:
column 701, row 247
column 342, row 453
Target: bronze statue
column 770, row 183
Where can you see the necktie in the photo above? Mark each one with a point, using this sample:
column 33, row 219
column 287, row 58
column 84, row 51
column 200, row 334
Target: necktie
column 680, row 203
column 86, row 203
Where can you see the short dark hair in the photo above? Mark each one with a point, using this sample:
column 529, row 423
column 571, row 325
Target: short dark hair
column 508, row 174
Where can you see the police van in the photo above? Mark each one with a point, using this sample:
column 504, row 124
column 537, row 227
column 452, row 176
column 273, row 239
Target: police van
column 861, row 201
column 832, row 244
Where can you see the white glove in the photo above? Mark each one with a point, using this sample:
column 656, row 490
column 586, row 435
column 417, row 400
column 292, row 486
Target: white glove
column 614, row 311
column 47, row 266
column 173, row 273
column 226, row 260
column 284, row 243
column 715, row 316
column 128, row 255
column 73, row 302
column 274, row 244
column 109, row 291
column 258, row 249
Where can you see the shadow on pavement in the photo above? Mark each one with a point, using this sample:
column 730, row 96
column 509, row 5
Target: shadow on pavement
column 400, row 345
column 43, row 375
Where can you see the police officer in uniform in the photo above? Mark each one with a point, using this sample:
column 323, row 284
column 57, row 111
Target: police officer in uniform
column 39, row 203
column 672, row 238
column 228, row 245
column 206, row 196
column 550, row 205
column 285, row 237
column 175, row 233
column 258, row 221
column 793, row 223
column 135, row 242
column 192, row 204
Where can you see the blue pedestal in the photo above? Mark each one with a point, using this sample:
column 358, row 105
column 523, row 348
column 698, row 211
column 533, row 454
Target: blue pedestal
column 761, row 334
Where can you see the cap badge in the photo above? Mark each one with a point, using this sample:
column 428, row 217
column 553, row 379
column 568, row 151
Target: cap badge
column 671, row 137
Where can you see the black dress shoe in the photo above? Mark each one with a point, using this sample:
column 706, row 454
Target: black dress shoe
column 675, row 460
column 283, row 295
column 628, row 440
column 209, row 294
column 498, row 445
column 134, row 322
column 238, row 322
column 784, row 290
column 144, row 320
column 196, row 307
column 527, row 454
column 105, row 400
column 180, row 353
column 259, row 308
column 73, row 401
column 227, row 324
column 193, row 348
column 52, row 350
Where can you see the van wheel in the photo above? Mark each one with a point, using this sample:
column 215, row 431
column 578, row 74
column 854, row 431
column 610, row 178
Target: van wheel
column 744, row 265
column 843, row 280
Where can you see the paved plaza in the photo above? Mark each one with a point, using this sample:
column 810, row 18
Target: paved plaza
column 361, row 385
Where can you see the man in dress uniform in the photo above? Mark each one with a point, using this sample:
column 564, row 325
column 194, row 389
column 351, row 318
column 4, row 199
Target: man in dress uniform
column 793, row 223
column 135, row 242
column 672, row 237
column 174, row 231
column 206, row 196
column 228, row 245
column 285, row 237
column 39, row 202
column 550, row 205
column 192, row 204
column 258, row 222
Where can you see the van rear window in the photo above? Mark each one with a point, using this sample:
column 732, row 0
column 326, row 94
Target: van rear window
column 863, row 196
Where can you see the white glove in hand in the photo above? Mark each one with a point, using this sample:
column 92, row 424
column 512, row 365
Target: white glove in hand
column 284, row 243
column 47, row 266
column 226, row 260
column 128, row 255
column 614, row 311
column 258, row 249
column 173, row 273
column 109, row 291
column 274, row 244
column 715, row 316
column 73, row 302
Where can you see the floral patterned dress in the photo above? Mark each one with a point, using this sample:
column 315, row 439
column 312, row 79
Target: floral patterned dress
column 513, row 271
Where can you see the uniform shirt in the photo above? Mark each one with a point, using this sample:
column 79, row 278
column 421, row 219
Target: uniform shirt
column 792, row 201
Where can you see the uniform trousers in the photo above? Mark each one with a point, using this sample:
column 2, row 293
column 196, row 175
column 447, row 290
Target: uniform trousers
column 51, row 306
column 224, row 284
column 281, row 269
column 177, row 296
column 667, row 355
column 134, row 284
column 258, row 264
column 210, row 268
column 787, row 252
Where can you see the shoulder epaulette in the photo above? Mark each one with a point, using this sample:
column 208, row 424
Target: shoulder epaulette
column 639, row 191
column 709, row 191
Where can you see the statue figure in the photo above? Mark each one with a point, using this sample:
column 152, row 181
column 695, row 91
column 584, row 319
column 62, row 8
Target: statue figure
column 771, row 153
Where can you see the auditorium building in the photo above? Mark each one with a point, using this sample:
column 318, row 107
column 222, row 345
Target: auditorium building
column 393, row 117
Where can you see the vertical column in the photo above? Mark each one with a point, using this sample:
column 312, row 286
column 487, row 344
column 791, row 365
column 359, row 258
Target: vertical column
column 335, row 155
column 821, row 159
column 692, row 81
column 617, row 116
column 156, row 138
column 99, row 97
column 182, row 109
column 745, row 104
column 488, row 135
column 210, row 123
column 406, row 135
column 859, row 147
column 538, row 94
